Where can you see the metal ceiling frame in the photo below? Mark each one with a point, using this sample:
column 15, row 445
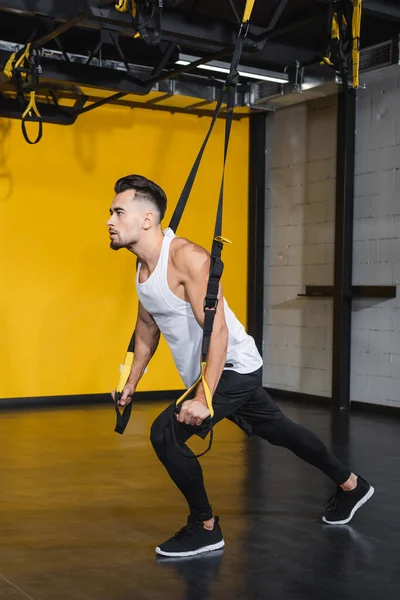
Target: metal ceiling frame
column 205, row 35
column 131, row 81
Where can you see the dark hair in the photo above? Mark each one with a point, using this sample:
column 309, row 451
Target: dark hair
column 145, row 190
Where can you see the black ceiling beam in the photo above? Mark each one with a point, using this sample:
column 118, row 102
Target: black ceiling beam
column 202, row 35
column 382, row 9
column 176, row 26
column 297, row 21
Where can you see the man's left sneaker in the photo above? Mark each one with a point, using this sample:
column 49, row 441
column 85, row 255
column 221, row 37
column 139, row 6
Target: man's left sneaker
column 342, row 506
column 193, row 539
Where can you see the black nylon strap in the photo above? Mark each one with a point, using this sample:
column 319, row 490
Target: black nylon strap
column 228, row 126
column 216, row 264
column 183, row 450
column 143, row 21
column 181, row 204
column 25, row 133
column 122, row 418
column 131, row 347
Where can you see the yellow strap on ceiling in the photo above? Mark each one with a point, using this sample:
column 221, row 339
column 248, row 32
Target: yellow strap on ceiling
column 248, row 10
column 335, row 35
column 206, row 389
column 357, row 11
column 123, row 6
column 11, row 64
column 8, row 69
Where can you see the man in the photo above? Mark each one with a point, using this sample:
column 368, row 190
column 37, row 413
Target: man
column 171, row 281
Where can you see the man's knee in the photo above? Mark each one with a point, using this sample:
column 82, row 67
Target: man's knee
column 275, row 430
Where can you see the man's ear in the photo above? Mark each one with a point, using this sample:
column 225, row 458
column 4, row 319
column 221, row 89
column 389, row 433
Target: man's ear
column 149, row 220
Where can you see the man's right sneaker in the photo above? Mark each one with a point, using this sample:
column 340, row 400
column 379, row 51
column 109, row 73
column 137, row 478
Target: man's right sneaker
column 193, row 539
column 343, row 505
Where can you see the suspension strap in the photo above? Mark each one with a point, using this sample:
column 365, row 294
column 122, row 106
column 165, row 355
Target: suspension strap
column 357, row 12
column 344, row 27
column 23, row 69
column 216, row 264
column 145, row 15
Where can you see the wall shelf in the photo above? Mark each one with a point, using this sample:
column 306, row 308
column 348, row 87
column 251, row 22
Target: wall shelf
column 358, row 291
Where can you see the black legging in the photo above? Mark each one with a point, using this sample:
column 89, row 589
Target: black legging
column 241, row 399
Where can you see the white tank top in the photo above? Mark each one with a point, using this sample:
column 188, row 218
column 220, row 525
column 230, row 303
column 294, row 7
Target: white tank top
column 177, row 323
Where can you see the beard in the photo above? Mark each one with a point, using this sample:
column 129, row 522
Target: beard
column 116, row 245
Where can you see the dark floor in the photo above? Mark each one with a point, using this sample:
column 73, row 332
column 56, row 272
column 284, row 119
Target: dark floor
column 83, row 508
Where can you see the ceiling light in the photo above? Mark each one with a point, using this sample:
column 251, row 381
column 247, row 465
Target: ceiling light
column 221, row 67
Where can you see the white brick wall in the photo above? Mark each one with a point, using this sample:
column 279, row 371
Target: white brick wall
column 299, row 246
column 376, row 323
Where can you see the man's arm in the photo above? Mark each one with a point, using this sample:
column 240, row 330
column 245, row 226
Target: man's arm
column 147, row 336
column 194, row 264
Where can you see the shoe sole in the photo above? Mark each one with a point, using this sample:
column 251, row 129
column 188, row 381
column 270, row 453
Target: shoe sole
column 355, row 509
column 192, row 552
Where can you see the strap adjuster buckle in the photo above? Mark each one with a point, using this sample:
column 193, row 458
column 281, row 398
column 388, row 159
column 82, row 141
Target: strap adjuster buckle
column 244, row 29
column 210, row 303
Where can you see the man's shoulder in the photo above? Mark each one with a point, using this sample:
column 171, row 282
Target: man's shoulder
column 185, row 254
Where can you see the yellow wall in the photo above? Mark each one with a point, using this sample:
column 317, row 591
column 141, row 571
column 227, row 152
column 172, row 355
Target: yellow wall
column 67, row 302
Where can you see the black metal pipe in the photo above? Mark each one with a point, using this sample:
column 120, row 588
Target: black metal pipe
column 101, row 102
column 159, row 99
column 162, row 108
column 58, row 31
column 277, row 14
column 256, row 227
column 343, row 271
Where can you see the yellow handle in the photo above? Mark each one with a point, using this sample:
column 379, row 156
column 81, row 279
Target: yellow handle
column 126, row 369
column 207, row 391
column 31, row 106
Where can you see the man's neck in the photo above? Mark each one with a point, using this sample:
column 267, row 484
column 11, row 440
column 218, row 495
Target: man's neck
column 148, row 250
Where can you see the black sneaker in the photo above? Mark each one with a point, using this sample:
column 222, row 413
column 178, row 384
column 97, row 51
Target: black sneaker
column 193, row 539
column 343, row 505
